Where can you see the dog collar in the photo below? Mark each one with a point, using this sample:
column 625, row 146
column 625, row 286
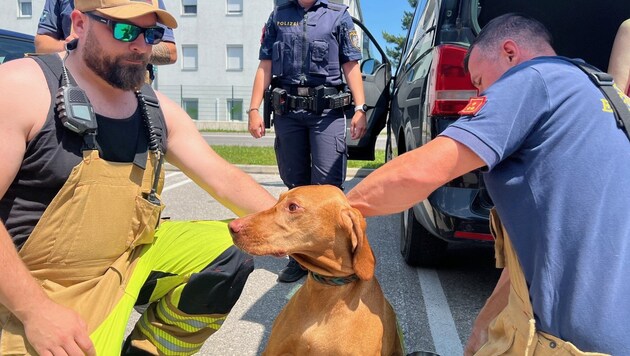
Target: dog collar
column 333, row 281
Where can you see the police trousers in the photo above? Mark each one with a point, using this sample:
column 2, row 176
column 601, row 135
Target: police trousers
column 96, row 250
column 513, row 331
column 311, row 148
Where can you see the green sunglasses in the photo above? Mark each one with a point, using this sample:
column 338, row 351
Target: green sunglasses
column 126, row 32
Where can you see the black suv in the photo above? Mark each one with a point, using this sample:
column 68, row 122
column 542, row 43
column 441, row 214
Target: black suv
column 430, row 87
column 14, row 45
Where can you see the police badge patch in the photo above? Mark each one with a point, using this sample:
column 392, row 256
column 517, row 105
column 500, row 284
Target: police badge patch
column 43, row 17
column 354, row 39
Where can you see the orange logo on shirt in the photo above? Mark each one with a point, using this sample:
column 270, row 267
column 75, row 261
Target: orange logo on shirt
column 474, row 105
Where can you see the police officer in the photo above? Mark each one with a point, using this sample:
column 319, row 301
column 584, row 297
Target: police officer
column 307, row 44
column 545, row 151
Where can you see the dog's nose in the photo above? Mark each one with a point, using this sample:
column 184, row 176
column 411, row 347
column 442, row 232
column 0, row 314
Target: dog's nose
column 235, row 226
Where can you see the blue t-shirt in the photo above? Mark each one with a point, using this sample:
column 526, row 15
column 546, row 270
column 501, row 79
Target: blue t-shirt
column 558, row 170
column 56, row 22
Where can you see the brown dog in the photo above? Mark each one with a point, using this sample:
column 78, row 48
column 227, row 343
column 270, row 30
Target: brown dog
column 340, row 309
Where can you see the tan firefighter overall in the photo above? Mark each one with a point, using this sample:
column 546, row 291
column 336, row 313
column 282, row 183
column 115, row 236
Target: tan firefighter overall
column 82, row 249
column 513, row 331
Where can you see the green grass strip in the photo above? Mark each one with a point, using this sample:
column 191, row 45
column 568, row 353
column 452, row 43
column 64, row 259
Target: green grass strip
column 265, row 156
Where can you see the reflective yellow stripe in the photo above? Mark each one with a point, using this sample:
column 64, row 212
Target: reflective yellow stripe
column 170, row 315
column 165, row 343
column 190, row 323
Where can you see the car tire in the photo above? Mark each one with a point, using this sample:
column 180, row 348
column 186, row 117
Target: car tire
column 417, row 245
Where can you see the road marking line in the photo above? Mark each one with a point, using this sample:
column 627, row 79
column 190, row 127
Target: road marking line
column 441, row 323
column 176, row 185
column 172, row 174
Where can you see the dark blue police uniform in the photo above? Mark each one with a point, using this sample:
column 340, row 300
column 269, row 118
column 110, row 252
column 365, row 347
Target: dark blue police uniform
column 307, row 49
column 55, row 20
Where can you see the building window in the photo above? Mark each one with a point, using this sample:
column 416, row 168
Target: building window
column 234, row 7
column 235, row 109
column 191, row 106
column 189, row 7
column 25, row 8
column 234, row 58
column 189, row 52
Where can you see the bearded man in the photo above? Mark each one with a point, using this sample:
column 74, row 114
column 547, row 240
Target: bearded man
column 80, row 183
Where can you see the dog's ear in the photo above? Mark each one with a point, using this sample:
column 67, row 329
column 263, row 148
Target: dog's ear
column 363, row 258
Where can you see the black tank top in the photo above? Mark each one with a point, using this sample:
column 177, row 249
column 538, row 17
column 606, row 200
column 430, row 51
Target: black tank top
column 50, row 157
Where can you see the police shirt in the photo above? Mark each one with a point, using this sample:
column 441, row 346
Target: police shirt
column 558, row 171
column 309, row 47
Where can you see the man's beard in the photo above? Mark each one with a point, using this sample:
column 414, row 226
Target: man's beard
column 111, row 69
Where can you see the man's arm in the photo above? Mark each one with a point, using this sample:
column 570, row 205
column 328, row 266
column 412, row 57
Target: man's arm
column 48, row 325
column 49, row 44
column 352, row 72
column 191, row 153
column 619, row 65
column 163, row 53
column 54, row 29
column 411, row 177
column 497, row 301
column 262, row 80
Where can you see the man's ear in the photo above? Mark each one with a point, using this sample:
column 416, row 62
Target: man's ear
column 510, row 52
column 79, row 23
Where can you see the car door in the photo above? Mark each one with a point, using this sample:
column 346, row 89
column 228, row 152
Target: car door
column 376, row 74
column 14, row 45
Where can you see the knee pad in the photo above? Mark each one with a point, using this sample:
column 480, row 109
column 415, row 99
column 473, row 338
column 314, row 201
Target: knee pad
column 216, row 288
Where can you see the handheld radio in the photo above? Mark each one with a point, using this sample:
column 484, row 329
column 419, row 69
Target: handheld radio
column 73, row 106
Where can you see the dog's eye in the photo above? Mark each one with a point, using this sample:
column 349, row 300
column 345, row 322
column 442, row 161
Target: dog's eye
column 293, row 207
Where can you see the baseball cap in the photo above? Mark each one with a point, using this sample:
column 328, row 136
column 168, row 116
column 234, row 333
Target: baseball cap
column 126, row 9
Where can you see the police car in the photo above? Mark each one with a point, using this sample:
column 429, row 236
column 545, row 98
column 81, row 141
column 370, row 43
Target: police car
column 430, row 87
column 14, row 45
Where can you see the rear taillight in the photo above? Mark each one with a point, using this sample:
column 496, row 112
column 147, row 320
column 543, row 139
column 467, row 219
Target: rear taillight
column 473, row 236
column 450, row 87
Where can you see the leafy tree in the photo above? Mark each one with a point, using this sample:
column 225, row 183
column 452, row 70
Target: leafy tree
column 399, row 40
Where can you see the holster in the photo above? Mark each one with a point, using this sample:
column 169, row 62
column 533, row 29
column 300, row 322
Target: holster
column 323, row 101
column 279, row 101
column 267, row 108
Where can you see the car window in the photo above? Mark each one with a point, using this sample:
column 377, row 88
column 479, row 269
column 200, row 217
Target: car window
column 428, row 17
column 414, row 24
column 12, row 48
column 426, row 20
column 421, row 39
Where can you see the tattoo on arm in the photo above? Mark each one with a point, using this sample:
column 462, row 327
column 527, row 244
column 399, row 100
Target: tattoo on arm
column 160, row 54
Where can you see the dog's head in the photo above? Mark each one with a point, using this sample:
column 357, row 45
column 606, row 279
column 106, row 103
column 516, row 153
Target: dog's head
column 316, row 226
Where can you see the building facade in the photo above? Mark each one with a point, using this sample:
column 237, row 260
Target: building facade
column 217, row 44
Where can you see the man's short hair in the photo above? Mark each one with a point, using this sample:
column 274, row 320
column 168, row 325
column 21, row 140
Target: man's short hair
column 522, row 28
